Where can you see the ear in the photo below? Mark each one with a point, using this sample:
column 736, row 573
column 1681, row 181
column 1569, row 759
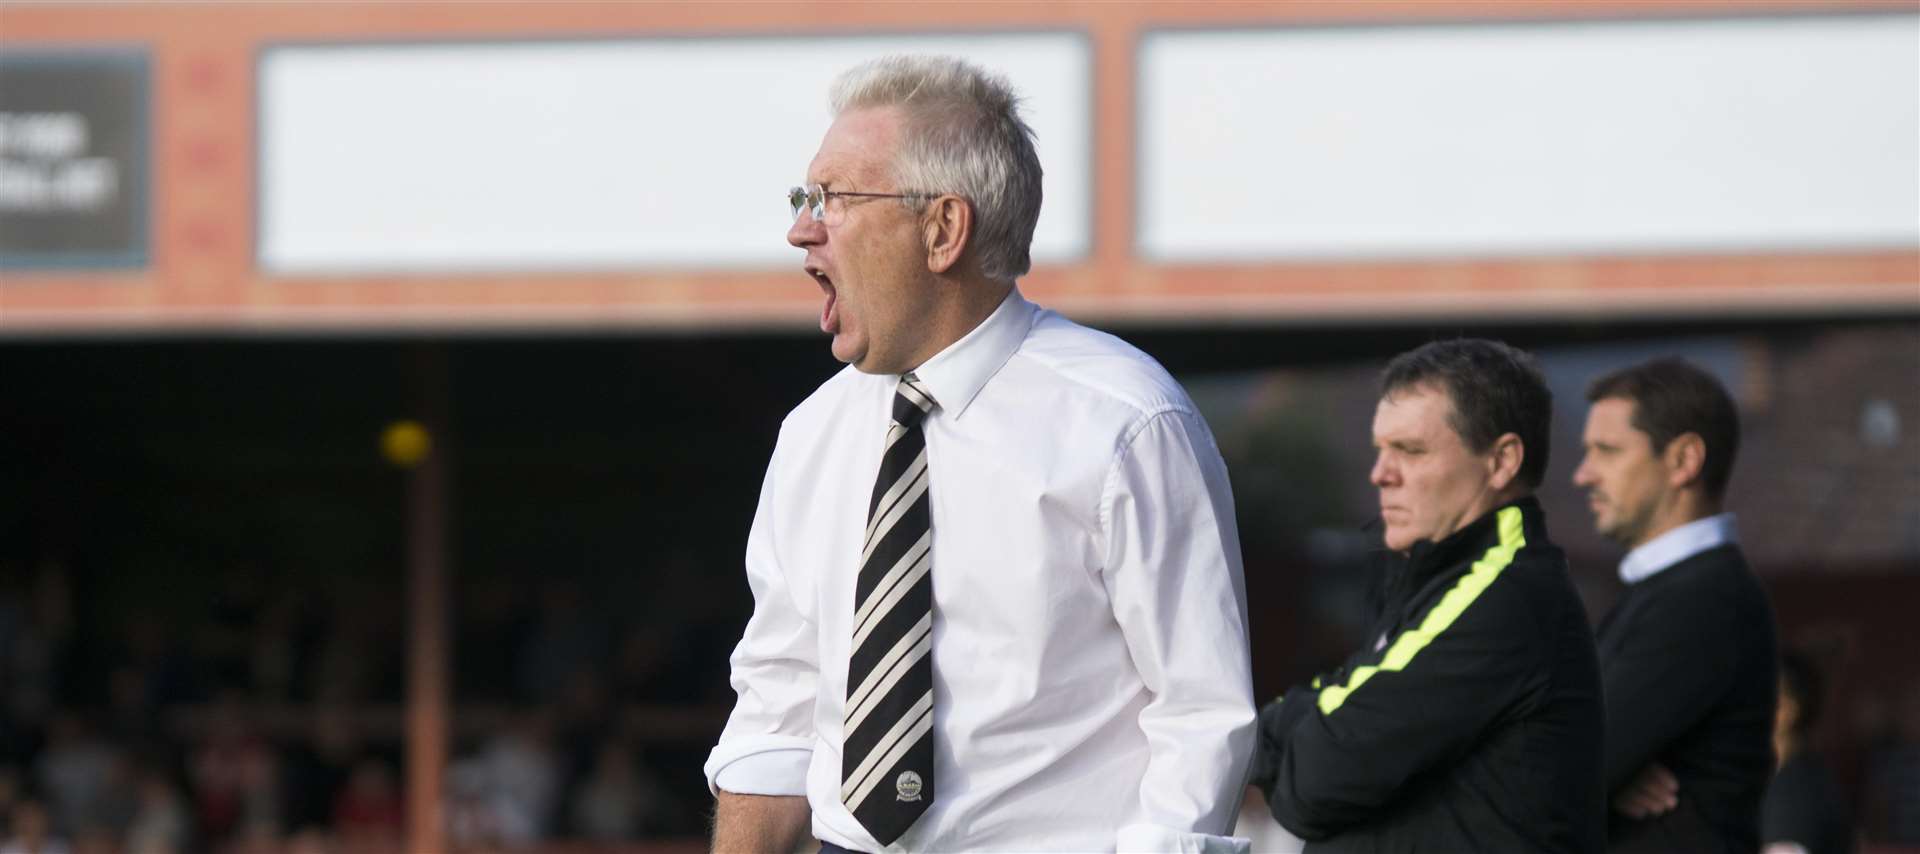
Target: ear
column 1504, row 463
column 947, row 226
column 1685, row 457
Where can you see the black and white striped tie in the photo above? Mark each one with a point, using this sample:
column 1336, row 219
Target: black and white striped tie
column 886, row 768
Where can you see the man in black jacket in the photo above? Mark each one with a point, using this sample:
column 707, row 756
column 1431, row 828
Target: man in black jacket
column 1472, row 721
column 1688, row 653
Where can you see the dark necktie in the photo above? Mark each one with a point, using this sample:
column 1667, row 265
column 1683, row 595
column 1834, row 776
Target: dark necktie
column 886, row 767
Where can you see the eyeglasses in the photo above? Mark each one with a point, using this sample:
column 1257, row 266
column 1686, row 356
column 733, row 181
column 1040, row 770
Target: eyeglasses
column 814, row 198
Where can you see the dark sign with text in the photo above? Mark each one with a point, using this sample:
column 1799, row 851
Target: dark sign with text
column 73, row 159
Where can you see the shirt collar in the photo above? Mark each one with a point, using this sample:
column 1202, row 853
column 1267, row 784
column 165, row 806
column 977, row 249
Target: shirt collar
column 1677, row 545
column 955, row 375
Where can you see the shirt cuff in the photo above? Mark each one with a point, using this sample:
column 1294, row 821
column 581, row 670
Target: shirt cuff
column 775, row 771
column 1149, row 838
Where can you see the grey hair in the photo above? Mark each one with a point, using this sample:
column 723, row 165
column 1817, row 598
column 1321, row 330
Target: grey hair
column 964, row 136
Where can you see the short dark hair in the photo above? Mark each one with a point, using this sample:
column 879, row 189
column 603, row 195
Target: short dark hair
column 1495, row 389
column 1671, row 397
column 1801, row 681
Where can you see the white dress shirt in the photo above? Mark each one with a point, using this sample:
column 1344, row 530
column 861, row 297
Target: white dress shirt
column 1091, row 676
column 1685, row 541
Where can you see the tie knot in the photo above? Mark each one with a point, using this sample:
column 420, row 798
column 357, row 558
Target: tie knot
column 911, row 402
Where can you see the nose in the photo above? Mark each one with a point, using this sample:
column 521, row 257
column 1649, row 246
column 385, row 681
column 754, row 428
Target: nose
column 806, row 231
column 1383, row 473
column 1582, row 477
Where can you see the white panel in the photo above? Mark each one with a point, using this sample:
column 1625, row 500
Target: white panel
column 1788, row 133
column 597, row 154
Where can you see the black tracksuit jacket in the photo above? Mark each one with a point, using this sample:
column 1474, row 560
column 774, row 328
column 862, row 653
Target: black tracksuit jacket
column 1473, row 723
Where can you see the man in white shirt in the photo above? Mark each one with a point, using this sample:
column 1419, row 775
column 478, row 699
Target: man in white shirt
column 1688, row 654
column 998, row 601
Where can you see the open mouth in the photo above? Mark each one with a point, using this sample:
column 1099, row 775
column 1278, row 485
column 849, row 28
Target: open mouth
column 829, row 317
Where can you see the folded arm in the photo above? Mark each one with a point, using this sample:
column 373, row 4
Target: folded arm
column 1669, row 669
column 1339, row 755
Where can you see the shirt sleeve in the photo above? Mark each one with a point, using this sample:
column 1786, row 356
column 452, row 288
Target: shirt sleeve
column 1342, row 752
column 768, row 739
column 1670, row 668
column 1174, row 578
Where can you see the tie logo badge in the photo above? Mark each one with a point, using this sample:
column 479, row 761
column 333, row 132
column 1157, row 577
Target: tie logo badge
column 907, row 786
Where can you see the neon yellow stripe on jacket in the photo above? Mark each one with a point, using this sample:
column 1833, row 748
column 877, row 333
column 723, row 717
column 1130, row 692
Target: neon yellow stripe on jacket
column 1451, row 606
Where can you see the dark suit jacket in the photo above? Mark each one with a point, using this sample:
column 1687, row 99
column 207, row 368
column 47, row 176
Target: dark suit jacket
column 1690, row 667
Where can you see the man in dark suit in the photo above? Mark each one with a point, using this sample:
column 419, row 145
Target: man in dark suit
column 1687, row 656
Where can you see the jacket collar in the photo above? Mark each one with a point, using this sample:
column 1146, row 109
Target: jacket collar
column 1427, row 557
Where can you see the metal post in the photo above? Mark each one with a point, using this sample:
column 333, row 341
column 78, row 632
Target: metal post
column 427, row 650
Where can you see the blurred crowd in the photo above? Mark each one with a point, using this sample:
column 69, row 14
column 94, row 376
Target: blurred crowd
column 269, row 721
column 249, row 712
